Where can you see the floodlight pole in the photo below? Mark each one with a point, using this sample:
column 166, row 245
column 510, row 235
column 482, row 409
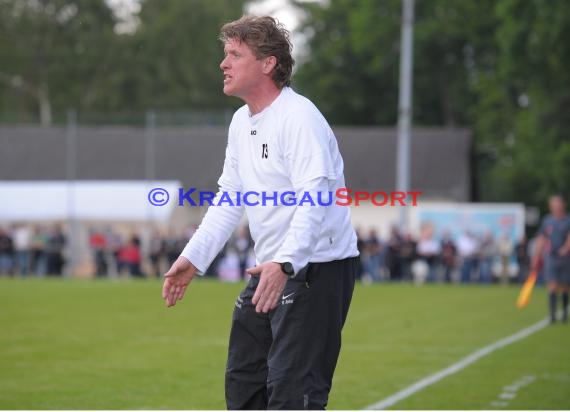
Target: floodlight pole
column 71, row 176
column 405, row 107
column 150, row 171
column 150, row 145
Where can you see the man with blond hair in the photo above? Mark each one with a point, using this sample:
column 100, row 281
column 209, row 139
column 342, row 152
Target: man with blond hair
column 286, row 328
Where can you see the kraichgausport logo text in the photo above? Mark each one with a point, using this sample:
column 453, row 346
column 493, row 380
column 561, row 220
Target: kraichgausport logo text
column 341, row 197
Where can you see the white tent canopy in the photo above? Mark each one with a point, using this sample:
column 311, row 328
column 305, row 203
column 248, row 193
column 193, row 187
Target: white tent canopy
column 110, row 200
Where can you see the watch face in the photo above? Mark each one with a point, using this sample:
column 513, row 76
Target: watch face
column 287, row 268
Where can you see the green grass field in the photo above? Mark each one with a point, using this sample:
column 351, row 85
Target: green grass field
column 87, row 344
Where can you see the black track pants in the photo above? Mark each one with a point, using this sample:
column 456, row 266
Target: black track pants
column 285, row 359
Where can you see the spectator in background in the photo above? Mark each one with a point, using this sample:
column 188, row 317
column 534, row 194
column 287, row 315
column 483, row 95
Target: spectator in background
column 428, row 249
column 523, row 258
column 54, row 251
column 98, row 245
column 6, row 253
column 393, row 259
column 181, row 241
column 38, row 252
column 213, row 269
column 467, row 249
column 172, row 247
column 448, row 255
column 374, row 251
column 229, row 266
column 487, row 254
column 360, row 245
column 156, row 253
column 407, row 256
column 130, row 257
column 22, row 235
column 175, row 243
column 115, row 243
column 505, row 250
column 242, row 244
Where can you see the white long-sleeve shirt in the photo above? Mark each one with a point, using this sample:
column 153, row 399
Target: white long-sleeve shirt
column 288, row 147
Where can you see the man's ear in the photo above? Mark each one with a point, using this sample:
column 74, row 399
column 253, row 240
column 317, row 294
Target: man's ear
column 269, row 64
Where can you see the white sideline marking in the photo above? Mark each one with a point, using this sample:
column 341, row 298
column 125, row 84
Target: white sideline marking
column 456, row 367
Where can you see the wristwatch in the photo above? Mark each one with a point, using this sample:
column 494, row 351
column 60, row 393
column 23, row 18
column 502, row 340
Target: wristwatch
column 287, row 268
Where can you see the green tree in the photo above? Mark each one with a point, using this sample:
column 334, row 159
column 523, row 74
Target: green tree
column 496, row 66
column 60, row 54
column 354, row 49
column 177, row 54
column 54, row 54
column 523, row 104
column 351, row 65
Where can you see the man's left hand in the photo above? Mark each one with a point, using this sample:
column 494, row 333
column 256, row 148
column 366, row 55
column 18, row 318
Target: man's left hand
column 272, row 281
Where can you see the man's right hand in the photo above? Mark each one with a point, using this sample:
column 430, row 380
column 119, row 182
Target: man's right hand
column 176, row 280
